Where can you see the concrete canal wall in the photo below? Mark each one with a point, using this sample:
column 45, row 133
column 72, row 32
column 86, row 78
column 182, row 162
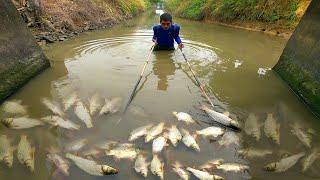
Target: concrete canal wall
column 299, row 64
column 20, row 56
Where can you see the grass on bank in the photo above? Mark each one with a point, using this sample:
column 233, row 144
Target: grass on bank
column 282, row 11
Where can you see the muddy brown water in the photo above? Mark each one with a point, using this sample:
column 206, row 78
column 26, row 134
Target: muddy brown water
column 109, row 61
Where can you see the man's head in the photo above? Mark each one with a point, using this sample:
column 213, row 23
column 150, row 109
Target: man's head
column 166, row 20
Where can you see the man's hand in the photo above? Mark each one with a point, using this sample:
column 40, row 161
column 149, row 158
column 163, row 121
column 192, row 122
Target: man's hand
column 180, row 46
column 154, row 41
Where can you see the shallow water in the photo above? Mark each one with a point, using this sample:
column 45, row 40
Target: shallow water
column 109, row 61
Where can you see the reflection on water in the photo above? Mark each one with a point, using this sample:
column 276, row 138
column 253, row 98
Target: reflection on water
column 164, row 68
column 108, row 62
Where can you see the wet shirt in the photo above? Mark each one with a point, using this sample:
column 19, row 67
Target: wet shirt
column 165, row 37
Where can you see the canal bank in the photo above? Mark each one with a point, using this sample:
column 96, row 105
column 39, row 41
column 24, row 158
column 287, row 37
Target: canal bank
column 299, row 64
column 52, row 20
column 20, row 56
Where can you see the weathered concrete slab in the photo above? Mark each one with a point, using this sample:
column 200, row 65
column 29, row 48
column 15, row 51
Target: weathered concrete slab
column 20, row 56
column 299, row 64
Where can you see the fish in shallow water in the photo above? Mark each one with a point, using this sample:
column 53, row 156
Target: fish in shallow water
column 203, row 175
column 141, row 165
column 159, row 143
column 94, row 103
column 156, row 167
column 70, row 101
column 61, row 163
column 83, row 114
column 272, row 128
column 123, row 152
column 76, row 145
column 14, row 107
column 139, row 132
column 232, row 167
column 309, row 160
column 254, row 153
column 229, row 138
column 284, row 164
column 106, row 145
column 301, row 135
column 154, row 131
column 111, row 106
column 6, row 151
column 174, row 135
column 211, row 164
column 25, row 153
column 21, row 122
column 58, row 121
column 91, row 167
column 211, row 131
column 189, row 140
column 137, row 110
column 222, row 118
column 53, row 106
column 177, row 168
column 182, row 116
column 252, row 127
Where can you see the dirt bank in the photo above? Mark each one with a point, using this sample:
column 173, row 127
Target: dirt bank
column 58, row 20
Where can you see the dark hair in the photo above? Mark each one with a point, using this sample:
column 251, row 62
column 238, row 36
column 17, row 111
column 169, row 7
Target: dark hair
column 166, row 17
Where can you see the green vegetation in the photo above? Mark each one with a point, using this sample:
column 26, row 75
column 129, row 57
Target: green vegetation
column 301, row 81
column 230, row 10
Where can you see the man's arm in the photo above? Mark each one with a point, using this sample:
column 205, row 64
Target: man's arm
column 154, row 38
column 177, row 37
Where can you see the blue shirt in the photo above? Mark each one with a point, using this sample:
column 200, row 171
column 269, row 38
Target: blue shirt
column 165, row 37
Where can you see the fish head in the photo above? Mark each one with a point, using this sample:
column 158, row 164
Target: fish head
column 175, row 113
column 30, row 165
column 7, row 122
column 8, row 160
column 270, row 167
column 216, row 177
column 107, row 170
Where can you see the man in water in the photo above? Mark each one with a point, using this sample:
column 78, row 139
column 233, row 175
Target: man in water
column 165, row 34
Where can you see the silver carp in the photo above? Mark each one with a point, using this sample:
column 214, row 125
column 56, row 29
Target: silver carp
column 177, row 168
column 25, row 153
column 189, row 140
column 21, row 122
column 182, row 116
column 272, row 128
column 94, row 103
column 123, row 151
column 139, row 132
column 141, row 165
column 6, row 151
column 284, row 164
column 159, row 143
column 76, row 145
column 233, row 167
column 309, row 160
column 14, row 107
column 61, row 163
column 211, row 131
column 154, row 131
column 83, row 114
column 58, row 121
column 254, row 153
column 91, row 167
column 174, row 135
column 229, row 138
column 203, row 175
column 70, row 101
column 222, row 118
column 301, row 135
column 111, row 106
column 156, row 167
column 53, row 106
column 252, row 127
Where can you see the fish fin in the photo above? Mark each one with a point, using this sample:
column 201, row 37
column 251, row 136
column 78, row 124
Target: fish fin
column 227, row 113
